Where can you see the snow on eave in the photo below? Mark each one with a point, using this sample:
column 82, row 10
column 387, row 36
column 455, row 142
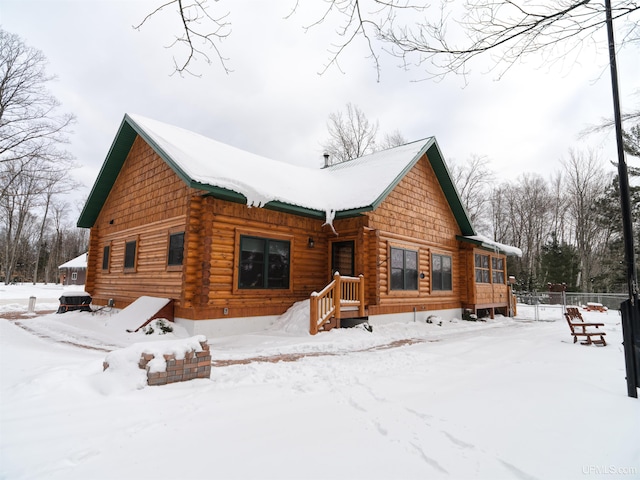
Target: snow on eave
column 493, row 245
column 79, row 262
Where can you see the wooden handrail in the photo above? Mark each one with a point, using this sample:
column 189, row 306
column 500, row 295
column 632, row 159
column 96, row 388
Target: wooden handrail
column 342, row 291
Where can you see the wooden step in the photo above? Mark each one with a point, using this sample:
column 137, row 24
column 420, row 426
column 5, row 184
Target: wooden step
column 331, row 323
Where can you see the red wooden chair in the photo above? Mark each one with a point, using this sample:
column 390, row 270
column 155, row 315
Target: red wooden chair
column 590, row 331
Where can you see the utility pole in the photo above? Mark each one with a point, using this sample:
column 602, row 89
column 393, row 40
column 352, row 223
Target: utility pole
column 630, row 308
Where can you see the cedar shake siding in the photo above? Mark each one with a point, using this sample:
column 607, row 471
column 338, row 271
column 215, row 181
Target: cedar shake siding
column 145, row 204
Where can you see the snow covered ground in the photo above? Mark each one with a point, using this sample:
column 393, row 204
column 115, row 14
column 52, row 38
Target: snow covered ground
column 506, row 398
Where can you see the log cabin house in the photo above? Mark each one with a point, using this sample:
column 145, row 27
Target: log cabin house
column 235, row 239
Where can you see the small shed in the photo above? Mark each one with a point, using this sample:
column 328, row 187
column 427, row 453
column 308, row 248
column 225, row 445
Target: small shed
column 73, row 272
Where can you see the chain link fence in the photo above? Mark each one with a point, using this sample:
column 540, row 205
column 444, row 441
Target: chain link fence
column 551, row 306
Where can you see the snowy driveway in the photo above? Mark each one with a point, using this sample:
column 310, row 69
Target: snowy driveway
column 496, row 400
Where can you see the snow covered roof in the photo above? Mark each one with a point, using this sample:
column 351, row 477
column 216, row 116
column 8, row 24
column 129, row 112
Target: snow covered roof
column 79, row 262
column 229, row 173
column 485, row 242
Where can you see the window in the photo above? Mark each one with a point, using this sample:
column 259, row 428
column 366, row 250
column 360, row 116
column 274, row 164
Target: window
column 264, row 263
column 130, row 255
column 404, row 269
column 74, row 275
column 482, row 268
column 497, row 270
column 105, row 257
column 441, row 272
column 176, row 249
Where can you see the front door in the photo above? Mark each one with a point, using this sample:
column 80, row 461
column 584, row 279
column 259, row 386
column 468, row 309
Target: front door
column 342, row 258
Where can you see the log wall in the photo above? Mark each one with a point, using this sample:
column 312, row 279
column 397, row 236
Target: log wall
column 211, row 280
column 147, row 202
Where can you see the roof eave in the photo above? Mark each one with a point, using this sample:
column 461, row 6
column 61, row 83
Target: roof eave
column 488, row 246
column 231, row 196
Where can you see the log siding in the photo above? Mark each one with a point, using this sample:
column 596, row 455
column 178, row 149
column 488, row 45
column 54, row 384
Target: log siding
column 224, row 223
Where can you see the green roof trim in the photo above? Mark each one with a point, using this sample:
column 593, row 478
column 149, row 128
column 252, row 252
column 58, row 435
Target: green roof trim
column 231, row 196
column 449, row 188
column 129, row 130
column 108, row 174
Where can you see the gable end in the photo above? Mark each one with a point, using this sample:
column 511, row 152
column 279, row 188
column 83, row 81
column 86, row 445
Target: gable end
column 449, row 189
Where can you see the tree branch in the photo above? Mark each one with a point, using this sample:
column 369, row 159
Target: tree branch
column 198, row 27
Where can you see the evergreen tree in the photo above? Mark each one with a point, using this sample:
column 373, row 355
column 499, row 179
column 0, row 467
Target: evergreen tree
column 612, row 277
column 559, row 263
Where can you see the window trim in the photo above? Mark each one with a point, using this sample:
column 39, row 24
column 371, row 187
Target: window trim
column 432, row 283
column 495, row 270
column 176, row 267
column 491, row 271
column 405, row 248
column 106, row 248
column 127, row 241
column 481, row 269
column 265, row 235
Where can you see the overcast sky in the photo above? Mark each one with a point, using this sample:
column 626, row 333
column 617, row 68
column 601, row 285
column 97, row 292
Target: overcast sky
column 276, row 104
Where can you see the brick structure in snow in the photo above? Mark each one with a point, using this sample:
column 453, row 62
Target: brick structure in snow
column 195, row 364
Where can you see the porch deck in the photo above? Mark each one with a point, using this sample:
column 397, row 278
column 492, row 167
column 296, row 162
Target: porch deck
column 342, row 298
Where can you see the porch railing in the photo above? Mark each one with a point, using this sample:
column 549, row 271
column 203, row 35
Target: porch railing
column 341, row 293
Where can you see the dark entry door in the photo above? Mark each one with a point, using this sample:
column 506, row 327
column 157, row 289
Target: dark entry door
column 342, row 255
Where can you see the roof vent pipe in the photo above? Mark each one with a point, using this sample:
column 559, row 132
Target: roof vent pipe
column 326, row 159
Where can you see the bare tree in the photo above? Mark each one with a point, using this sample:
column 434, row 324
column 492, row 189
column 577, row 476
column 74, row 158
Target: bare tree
column 394, row 139
column 559, row 207
column 17, row 222
column 499, row 213
column 351, row 135
column 445, row 35
column 56, row 184
column 520, row 214
column 474, row 181
column 585, row 184
column 199, row 30
column 31, row 130
column 59, row 211
column 508, row 30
